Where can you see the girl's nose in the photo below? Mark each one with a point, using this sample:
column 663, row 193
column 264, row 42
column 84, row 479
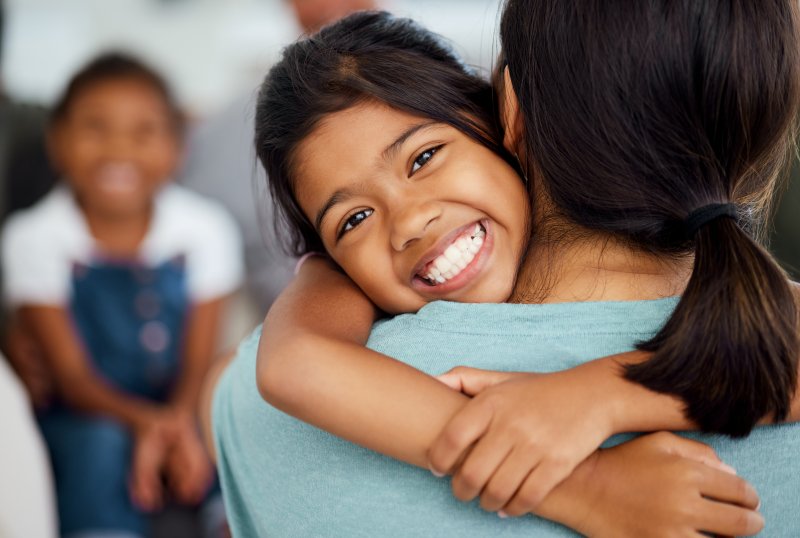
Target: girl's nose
column 411, row 223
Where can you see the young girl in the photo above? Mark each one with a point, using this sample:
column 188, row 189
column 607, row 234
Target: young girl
column 424, row 205
column 120, row 278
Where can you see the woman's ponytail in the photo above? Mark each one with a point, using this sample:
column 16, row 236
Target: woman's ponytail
column 730, row 349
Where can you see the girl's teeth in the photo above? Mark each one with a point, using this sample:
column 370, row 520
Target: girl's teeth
column 455, row 257
column 453, row 254
column 442, row 264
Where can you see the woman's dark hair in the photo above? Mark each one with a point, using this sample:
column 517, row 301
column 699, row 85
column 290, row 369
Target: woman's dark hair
column 116, row 66
column 635, row 115
column 368, row 56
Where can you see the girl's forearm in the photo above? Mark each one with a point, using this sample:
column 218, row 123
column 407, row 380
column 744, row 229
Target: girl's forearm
column 637, row 409
column 199, row 345
column 360, row 395
column 312, row 364
column 74, row 378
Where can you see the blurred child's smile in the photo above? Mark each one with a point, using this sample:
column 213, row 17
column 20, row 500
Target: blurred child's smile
column 118, row 178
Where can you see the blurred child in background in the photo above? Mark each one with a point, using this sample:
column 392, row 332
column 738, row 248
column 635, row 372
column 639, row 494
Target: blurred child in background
column 121, row 278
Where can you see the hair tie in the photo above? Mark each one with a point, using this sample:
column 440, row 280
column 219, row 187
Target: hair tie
column 703, row 215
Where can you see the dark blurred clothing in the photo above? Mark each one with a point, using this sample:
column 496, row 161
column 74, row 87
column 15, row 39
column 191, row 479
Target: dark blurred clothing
column 25, row 171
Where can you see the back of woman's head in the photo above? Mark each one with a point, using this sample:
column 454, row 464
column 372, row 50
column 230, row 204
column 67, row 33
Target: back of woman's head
column 636, row 115
column 368, row 56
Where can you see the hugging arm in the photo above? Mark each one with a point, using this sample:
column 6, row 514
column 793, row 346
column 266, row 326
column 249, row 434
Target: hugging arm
column 546, row 424
column 312, row 364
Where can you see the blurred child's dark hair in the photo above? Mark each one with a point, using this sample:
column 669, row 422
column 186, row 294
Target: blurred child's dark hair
column 636, row 115
column 115, row 66
column 368, row 56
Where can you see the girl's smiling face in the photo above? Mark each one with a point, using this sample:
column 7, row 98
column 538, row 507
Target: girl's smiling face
column 116, row 145
column 411, row 209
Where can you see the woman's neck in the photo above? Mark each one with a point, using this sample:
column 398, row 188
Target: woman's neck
column 593, row 267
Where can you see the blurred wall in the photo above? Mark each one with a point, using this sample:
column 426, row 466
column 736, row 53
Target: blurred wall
column 211, row 50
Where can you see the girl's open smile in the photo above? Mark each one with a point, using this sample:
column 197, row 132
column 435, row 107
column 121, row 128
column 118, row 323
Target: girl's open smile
column 413, row 210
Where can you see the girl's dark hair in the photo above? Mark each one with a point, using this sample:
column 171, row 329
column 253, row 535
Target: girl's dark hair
column 368, row 56
column 636, row 114
column 115, row 66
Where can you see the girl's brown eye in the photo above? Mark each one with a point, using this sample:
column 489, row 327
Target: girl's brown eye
column 354, row 220
column 423, row 158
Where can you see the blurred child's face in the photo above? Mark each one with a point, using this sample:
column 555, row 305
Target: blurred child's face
column 116, row 146
column 411, row 209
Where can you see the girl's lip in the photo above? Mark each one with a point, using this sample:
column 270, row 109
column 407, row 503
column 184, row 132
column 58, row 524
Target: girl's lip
column 467, row 274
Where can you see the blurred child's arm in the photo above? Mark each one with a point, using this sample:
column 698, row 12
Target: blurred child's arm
column 199, row 343
column 74, row 378
column 313, row 365
column 188, row 467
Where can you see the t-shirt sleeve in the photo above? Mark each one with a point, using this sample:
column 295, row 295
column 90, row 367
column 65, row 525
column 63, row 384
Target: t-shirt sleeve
column 34, row 269
column 216, row 263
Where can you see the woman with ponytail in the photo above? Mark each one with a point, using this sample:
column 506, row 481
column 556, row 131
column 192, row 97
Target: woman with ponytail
column 615, row 272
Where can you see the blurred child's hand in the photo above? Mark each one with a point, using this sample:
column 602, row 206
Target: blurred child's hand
column 149, row 457
column 189, row 470
column 521, row 435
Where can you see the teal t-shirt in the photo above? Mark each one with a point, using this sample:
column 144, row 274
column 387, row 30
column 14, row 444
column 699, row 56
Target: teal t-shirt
column 284, row 478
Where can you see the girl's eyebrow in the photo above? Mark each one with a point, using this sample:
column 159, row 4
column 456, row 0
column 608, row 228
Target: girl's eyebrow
column 337, row 197
column 391, row 150
column 388, row 154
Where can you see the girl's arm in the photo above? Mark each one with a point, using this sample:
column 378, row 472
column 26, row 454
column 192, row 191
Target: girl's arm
column 199, row 343
column 73, row 376
column 555, row 419
column 188, row 467
column 313, row 365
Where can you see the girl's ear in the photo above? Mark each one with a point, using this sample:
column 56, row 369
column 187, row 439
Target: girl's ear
column 512, row 122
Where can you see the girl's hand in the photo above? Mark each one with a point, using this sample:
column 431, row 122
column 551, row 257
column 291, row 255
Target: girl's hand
column 188, row 469
column 662, row 485
column 147, row 462
column 521, row 434
column 155, row 432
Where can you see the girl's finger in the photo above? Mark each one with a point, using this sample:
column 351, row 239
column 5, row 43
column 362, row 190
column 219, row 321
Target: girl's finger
column 729, row 520
column 466, row 427
column 536, row 486
column 508, row 478
column 485, row 457
column 472, row 381
column 728, row 488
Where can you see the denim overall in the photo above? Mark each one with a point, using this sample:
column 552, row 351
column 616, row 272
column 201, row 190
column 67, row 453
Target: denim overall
column 130, row 319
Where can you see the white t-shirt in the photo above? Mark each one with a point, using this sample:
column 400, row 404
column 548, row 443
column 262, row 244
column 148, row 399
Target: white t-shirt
column 41, row 245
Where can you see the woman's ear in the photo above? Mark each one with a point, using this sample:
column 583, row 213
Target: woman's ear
column 512, row 122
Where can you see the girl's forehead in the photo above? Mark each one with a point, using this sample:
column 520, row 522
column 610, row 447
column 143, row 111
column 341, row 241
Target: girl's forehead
column 115, row 90
column 363, row 137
